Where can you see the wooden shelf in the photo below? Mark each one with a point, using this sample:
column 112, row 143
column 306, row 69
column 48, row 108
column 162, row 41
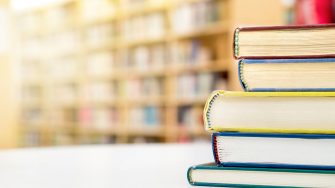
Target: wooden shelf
column 89, row 130
column 147, row 101
column 112, row 45
column 97, row 21
column 145, row 9
column 103, row 104
column 211, row 29
column 213, row 66
column 155, row 131
column 188, row 101
column 216, row 37
column 148, row 41
column 143, row 73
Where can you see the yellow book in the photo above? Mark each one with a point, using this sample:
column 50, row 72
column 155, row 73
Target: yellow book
column 276, row 112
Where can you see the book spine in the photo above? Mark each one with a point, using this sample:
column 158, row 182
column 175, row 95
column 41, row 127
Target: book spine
column 241, row 75
column 215, row 149
column 189, row 177
column 207, row 111
column 235, row 43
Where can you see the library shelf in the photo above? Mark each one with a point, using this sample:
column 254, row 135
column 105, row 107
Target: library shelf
column 185, row 53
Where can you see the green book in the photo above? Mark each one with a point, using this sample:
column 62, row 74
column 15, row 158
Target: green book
column 212, row 175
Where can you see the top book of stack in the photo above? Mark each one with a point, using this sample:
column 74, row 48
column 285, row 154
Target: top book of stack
column 312, row 41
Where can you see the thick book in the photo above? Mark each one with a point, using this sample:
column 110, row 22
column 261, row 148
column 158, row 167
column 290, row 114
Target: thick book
column 211, row 175
column 302, row 151
column 287, row 74
column 276, row 112
column 285, row 42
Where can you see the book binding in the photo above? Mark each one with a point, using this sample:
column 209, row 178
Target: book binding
column 264, row 28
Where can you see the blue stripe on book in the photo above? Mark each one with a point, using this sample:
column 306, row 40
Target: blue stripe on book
column 209, row 184
column 273, row 165
column 310, row 60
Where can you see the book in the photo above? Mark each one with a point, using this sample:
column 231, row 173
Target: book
column 191, row 86
column 284, row 42
column 287, row 74
column 195, row 15
column 211, row 175
column 303, row 151
column 145, row 117
column 190, row 117
column 283, row 112
column 313, row 12
column 144, row 27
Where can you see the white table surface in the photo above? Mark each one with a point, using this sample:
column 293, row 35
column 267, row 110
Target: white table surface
column 105, row 166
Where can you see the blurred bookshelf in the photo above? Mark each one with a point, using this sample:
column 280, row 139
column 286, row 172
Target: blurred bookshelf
column 127, row 71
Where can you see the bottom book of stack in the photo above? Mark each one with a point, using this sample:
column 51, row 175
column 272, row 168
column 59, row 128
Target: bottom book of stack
column 268, row 160
column 212, row 175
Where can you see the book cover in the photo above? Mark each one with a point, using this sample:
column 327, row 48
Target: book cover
column 274, row 150
column 291, row 107
column 310, row 74
column 293, row 32
column 211, row 175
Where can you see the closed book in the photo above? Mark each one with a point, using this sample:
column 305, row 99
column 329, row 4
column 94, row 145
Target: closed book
column 303, row 151
column 211, row 175
column 276, row 112
column 285, row 42
column 287, row 74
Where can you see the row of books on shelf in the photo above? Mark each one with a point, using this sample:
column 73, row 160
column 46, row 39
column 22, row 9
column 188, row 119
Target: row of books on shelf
column 197, row 86
column 59, row 16
column 280, row 132
column 186, row 17
column 106, row 8
column 31, row 138
column 101, row 35
column 103, row 118
column 188, row 86
column 150, row 26
column 192, row 16
column 156, row 57
column 64, row 43
column 35, row 138
column 136, row 89
column 146, row 117
column 99, row 118
column 54, row 18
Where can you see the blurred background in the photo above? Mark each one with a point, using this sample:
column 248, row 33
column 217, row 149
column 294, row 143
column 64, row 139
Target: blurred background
column 123, row 71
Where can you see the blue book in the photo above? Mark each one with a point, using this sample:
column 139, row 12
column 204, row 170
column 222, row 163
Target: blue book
column 269, row 150
column 211, row 175
column 287, row 74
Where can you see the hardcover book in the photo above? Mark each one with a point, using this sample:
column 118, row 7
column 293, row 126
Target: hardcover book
column 287, row 74
column 211, row 175
column 276, row 112
column 303, row 151
column 284, row 42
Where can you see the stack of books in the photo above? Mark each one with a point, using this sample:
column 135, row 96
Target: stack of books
column 281, row 131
